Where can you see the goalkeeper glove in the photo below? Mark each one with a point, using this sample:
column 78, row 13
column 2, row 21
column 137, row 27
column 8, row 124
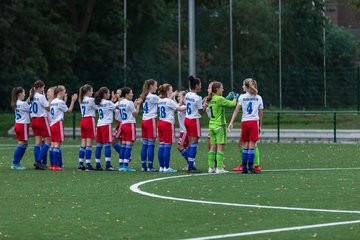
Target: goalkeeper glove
column 230, row 96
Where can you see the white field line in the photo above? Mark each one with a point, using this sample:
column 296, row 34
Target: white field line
column 135, row 188
column 308, row 169
column 276, row 230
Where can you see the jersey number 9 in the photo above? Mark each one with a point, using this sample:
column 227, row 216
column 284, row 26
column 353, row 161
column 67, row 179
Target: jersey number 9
column 101, row 114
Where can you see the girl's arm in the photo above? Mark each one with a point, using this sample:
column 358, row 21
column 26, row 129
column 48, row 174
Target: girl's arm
column 74, row 97
column 137, row 104
column 235, row 113
column 181, row 108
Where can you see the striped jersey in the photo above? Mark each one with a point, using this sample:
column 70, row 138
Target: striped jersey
column 216, row 108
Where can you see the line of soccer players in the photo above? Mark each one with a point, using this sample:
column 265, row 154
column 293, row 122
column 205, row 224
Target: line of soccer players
column 47, row 116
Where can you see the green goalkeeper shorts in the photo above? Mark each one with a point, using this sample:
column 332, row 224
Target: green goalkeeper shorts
column 218, row 135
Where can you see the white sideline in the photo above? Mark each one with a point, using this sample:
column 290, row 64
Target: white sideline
column 135, row 188
column 276, row 230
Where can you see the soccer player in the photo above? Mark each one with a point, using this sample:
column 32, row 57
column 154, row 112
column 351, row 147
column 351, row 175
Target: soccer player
column 57, row 109
column 40, row 122
column 49, row 96
column 251, row 120
column 148, row 124
column 129, row 110
column 22, row 123
column 106, row 110
column 183, row 141
column 217, row 126
column 87, row 126
column 194, row 109
column 166, row 128
column 116, row 98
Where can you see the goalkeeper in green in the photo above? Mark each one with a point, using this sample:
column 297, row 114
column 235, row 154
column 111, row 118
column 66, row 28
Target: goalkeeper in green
column 217, row 126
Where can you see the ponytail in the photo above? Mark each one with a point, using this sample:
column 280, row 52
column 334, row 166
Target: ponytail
column 251, row 85
column 37, row 84
column 14, row 95
column 99, row 95
column 193, row 82
column 83, row 90
column 163, row 90
column 125, row 91
column 146, row 88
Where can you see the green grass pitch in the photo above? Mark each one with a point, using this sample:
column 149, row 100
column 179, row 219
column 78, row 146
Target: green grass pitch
column 100, row 205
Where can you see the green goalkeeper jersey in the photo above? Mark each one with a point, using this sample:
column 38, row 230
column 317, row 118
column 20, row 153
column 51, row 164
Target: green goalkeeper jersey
column 217, row 110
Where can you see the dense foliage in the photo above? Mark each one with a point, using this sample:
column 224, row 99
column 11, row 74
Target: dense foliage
column 77, row 42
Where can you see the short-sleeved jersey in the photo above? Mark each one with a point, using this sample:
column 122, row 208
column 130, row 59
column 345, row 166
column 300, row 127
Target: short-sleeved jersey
column 39, row 105
column 22, row 111
column 193, row 103
column 150, row 106
column 88, row 107
column 106, row 112
column 250, row 105
column 127, row 108
column 181, row 119
column 167, row 107
column 216, row 108
column 117, row 112
column 57, row 109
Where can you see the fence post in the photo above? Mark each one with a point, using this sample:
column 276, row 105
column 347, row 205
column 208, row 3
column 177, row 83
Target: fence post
column 358, row 89
column 74, row 119
column 278, row 126
column 334, row 127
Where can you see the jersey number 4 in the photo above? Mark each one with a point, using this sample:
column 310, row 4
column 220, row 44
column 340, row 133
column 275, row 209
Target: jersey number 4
column 249, row 108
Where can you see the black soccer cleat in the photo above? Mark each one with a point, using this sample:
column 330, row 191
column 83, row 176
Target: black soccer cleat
column 98, row 168
column 109, row 168
column 193, row 170
column 39, row 166
column 89, row 168
column 81, row 168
